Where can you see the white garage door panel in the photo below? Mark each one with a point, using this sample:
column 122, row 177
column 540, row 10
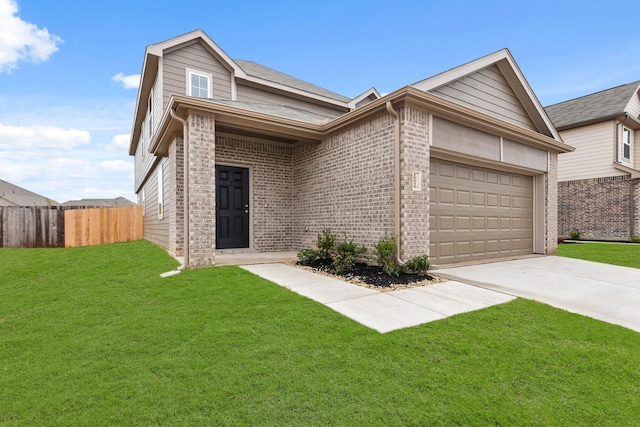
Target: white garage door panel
column 478, row 213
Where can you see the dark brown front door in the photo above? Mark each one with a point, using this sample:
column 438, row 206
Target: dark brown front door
column 232, row 207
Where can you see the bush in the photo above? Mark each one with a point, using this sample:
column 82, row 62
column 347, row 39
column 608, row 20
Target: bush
column 345, row 256
column 326, row 243
column 385, row 251
column 635, row 239
column 419, row 264
column 575, row 234
column 309, row 257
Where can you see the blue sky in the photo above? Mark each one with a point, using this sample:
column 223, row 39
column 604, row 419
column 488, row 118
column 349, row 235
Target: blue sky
column 66, row 112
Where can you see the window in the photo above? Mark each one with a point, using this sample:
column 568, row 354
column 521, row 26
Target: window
column 198, row 84
column 160, row 193
column 150, row 113
column 626, row 144
column 143, row 202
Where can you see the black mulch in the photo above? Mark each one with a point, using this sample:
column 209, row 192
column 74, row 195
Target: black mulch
column 374, row 275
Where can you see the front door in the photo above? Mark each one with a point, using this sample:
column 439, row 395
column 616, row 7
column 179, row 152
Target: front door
column 232, row 207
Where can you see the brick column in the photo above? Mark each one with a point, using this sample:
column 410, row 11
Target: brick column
column 176, row 196
column 202, row 190
column 551, row 208
column 414, row 196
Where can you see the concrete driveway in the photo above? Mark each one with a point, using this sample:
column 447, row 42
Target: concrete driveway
column 600, row 291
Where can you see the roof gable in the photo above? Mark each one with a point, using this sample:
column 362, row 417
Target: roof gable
column 600, row 106
column 493, row 85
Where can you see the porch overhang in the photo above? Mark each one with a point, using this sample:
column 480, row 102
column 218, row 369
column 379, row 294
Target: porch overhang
column 231, row 119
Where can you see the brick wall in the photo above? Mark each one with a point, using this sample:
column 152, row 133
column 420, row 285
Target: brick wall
column 271, row 187
column 346, row 184
column 598, row 207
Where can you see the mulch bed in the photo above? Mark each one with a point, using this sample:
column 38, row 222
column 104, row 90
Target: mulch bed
column 373, row 277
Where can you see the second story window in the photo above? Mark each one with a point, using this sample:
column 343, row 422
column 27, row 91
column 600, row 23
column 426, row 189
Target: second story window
column 626, row 144
column 198, row 84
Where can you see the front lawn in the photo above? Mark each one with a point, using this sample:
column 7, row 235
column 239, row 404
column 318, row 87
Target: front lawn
column 624, row 254
column 93, row 336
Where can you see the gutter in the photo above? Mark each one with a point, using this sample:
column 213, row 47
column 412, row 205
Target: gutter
column 397, row 183
column 185, row 191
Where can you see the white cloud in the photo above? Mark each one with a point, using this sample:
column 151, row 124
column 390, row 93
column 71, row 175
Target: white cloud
column 42, row 136
column 22, row 41
column 120, row 143
column 128, row 82
column 117, row 166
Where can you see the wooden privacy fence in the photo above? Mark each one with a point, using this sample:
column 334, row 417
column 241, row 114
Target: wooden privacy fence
column 31, row 226
column 64, row 226
column 88, row 227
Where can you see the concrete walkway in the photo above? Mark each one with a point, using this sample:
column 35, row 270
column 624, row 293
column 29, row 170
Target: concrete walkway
column 601, row 291
column 382, row 311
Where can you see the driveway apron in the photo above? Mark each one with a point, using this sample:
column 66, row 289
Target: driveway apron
column 601, row 291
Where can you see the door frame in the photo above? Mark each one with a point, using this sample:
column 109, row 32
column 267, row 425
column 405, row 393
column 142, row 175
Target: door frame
column 250, row 168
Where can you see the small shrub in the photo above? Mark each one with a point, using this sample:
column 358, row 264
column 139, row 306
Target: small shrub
column 635, row 239
column 419, row 264
column 309, row 257
column 575, row 234
column 385, row 251
column 326, row 243
column 345, row 256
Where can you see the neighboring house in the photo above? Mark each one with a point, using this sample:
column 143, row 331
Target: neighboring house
column 599, row 183
column 232, row 155
column 12, row 195
column 100, row 203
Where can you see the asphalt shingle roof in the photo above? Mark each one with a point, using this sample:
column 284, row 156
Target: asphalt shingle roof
column 266, row 73
column 277, row 110
column 22, row 197
column 589, row 108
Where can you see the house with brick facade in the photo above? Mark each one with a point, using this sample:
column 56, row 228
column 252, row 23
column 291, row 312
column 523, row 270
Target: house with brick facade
column 234, row 156
column 599, row 183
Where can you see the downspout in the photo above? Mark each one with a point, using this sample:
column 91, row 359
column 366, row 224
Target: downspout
column 185, row 140
column 397, row 186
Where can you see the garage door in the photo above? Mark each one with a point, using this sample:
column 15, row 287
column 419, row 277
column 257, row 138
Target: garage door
column 477, row 213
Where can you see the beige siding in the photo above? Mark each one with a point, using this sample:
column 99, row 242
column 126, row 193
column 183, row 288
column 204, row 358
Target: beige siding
column 157, row 230
column 143, row 159
column 633, row 107
column 252, row 94
column 489, row 92
column 594, row 154
column 195, row 57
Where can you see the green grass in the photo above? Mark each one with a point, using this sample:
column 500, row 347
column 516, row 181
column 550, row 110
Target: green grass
column 627, row 255
column 93, row 336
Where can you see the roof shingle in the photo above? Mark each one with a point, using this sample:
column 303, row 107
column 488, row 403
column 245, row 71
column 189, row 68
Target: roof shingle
column 590, row 108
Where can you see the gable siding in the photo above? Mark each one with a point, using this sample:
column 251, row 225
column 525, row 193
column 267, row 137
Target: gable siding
column 196, row 57
column 252, row 94
column 489, row 92
column 594, row 154
column 633, row 107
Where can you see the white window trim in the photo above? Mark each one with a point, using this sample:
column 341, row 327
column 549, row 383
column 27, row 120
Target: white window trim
column 160, row 192
column 143, row 202
column 150, row 113
column 209, row 77
column 626, row 132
